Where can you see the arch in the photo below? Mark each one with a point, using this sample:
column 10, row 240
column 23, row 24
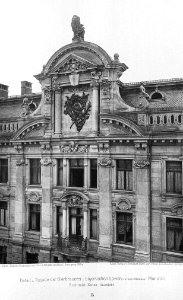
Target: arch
column 30, row 126
column 75, row 193
column 121, row 121
column 93, row 52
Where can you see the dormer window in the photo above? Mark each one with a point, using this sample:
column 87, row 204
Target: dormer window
column 156, row 95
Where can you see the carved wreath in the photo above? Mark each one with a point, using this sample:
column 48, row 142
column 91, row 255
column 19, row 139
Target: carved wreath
column 78, row 108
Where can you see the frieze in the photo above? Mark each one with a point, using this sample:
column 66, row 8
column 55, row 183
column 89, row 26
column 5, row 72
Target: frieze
column 18, row 147
column 46, row 161
column 105, row 162
column 78, row 108
column 45, row 147
column 74, row 148
column 140, row 164
column 80, row 88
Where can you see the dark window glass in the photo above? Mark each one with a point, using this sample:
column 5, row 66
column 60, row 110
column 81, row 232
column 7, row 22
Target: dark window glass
column 75, row 221
column 3, row 255
column 3, row 213
column 77, row 172
column 124, row 228
column 35, row 171
column 174, row 177
column 93, row 173
column 60, row 172
column 32, row 258
column 3, row 170
column 156, row 96
column 34, row 220
column 93, row 224
column 124, row 174
column 59, row 219
column 174, row 235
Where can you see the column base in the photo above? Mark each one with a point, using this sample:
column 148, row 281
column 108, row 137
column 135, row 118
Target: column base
column 57, row 135
column 142, row 257
column 18, row 237
column 104, row 254
column 44, row 256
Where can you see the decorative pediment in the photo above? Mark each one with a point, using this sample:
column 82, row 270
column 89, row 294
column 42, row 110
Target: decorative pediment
column 73, row 63
column 32, row 129
column 123, row 204
column 175, row 210
column 118, row 125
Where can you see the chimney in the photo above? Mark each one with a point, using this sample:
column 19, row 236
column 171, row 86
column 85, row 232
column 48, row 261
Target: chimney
column 3, row 91
column 26, row 88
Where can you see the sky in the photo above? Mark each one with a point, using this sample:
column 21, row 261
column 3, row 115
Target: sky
column 146, row 34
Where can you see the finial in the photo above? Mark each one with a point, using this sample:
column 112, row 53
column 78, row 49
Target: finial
column 116, row 57
column 78, row 29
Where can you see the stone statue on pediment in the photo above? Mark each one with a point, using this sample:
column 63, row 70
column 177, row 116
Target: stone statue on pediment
column 78, row 29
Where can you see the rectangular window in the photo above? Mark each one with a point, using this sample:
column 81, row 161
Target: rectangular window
column 77, row 172
column 124, row 228
column 124, row 174
column 32, row 258
column 75, row 221
column 35, row 171
column 3, row 213
column 174, row 177
column 3, row 255
column 59, row 219
column 93, row 224
column 3, row 170
column 34, row 218
column 93, row 173
column 60, row 172
column 174, row 235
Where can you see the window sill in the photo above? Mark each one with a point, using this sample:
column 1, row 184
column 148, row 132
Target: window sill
column 123, row 192
column 178, row 254
column 33, row 232
column 170, row 195
column 34, row 186
column 93, row 241
column 123, row 246
column 3, row 228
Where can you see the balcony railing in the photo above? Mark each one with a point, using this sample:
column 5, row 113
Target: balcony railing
column 72, row 244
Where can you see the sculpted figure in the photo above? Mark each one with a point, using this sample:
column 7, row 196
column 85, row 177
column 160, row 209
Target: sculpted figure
column 77, row 28
column 142, row 88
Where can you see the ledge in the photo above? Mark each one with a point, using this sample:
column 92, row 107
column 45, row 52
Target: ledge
column 123, row 246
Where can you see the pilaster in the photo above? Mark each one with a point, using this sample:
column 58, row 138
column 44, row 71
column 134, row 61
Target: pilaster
column 142, row 231
column 105, row 209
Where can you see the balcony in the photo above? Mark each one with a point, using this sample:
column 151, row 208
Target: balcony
column 73, row 245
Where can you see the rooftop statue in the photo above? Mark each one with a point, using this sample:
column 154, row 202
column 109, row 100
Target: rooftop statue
column 78, row 29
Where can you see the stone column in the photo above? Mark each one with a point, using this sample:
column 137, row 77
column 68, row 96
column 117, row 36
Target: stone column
column 58, row 112
column 105, row 209
column 142, row 224
column 64, row 219
column 95, row 104
column 46, row 211
column 19, row 212
column 85, row 222
column 85, row 173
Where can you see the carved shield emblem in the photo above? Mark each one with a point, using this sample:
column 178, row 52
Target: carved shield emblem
column 78, row 108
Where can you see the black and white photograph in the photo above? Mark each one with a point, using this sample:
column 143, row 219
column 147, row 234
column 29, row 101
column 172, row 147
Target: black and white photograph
column 91, row 149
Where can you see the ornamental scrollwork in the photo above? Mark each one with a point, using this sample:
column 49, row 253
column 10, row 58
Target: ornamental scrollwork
column 105, row 86
column 47, row 94
column 123, row 204
column 74, row 200
column 33, row 197
column 74, row 148
column 141, row 164
column 73, row 65
column 46, row 161
column 20, row 162
column 105, row 162
column 78, row 108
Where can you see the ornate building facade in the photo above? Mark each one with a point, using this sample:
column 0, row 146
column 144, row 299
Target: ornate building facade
column 91, row 168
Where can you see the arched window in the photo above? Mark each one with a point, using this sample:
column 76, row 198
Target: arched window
column 151, row 120
column 156, row 95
